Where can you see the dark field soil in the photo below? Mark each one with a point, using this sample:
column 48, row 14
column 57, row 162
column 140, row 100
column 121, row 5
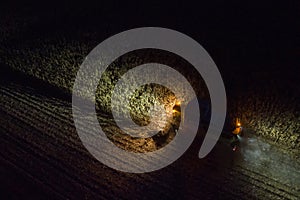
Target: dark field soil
column 40, row 149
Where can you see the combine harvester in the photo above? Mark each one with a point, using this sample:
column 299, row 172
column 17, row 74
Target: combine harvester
column 232, row 129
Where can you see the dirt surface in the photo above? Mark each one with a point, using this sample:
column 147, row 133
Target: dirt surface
column 39, row 141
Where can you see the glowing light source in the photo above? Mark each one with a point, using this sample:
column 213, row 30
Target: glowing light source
column 177, row 103
column 238, row 122
column 238, row 128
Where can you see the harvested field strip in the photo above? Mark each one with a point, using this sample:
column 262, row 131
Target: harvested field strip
column 54, row 145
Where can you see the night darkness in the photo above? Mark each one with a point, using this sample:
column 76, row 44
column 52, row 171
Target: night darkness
column 256, row 47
